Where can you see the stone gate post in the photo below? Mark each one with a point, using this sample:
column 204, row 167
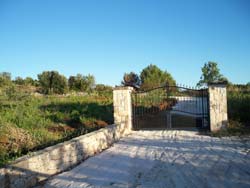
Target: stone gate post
column 123, row 108
column 217, row 106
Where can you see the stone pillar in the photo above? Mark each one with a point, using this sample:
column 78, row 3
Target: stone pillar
column 123, row 108
column 217, row 106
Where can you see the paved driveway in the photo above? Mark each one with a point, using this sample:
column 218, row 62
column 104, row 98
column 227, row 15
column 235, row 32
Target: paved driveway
column 154, row 159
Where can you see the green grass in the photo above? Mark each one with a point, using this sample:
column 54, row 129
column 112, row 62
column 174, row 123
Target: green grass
column 29, row 123
column 239, row 106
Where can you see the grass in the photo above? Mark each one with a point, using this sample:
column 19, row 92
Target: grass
column 239, row 106
column 29, row 123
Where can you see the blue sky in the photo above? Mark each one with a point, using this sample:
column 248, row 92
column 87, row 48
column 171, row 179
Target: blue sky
column 107, row 38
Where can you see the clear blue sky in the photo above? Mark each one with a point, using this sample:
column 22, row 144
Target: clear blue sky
column 107, row 38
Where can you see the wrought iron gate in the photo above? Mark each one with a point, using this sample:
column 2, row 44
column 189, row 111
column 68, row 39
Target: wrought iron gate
column 170, row 107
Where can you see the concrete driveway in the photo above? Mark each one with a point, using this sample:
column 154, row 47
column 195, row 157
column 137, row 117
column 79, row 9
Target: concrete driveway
column 154, row 159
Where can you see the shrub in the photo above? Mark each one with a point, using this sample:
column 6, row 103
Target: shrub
column 239, row 104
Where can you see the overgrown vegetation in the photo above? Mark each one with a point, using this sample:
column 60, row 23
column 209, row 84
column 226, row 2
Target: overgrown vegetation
column 36, row 113
column 29, row 122
column 238, row 97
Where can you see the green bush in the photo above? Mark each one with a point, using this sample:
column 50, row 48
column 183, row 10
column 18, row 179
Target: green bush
column 239, row 105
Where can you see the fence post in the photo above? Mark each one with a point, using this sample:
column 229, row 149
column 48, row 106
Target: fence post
column 217, row 106
column 123, row 108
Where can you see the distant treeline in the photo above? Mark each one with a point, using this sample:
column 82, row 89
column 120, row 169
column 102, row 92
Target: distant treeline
column 52, row 82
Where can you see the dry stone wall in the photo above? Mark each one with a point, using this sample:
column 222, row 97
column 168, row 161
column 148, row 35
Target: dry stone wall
column 29, row 170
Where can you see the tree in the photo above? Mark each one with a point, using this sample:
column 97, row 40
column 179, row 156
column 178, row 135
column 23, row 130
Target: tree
column 131, row 79
column 29, row 81
column 81, row 83
column 152, row 77
column 89, row 83
column 52, row 82
column 5, row 78
column 72, row 83
column 210, row 73
column 19, row 80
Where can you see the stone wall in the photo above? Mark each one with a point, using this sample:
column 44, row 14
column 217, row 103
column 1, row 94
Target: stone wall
column 29, row 170
column 217, row 106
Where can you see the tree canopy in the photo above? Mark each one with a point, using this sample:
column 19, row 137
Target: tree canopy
column 52, row 82
column 5, row 78
column 27, row 81
column 152, row 77
column 81, row 83
column 131, row 79
column 211, row 73
column 19, row 80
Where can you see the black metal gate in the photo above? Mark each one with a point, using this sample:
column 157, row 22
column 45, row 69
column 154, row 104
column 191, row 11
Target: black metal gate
column 170, row 107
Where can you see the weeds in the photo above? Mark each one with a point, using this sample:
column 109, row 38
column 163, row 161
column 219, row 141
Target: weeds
column 28, row 123
column 234, row 128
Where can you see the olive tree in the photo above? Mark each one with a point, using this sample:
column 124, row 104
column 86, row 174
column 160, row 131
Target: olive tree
column 51, row 82
column 81, row 83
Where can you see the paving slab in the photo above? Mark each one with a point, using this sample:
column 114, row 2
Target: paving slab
column 163, row 158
